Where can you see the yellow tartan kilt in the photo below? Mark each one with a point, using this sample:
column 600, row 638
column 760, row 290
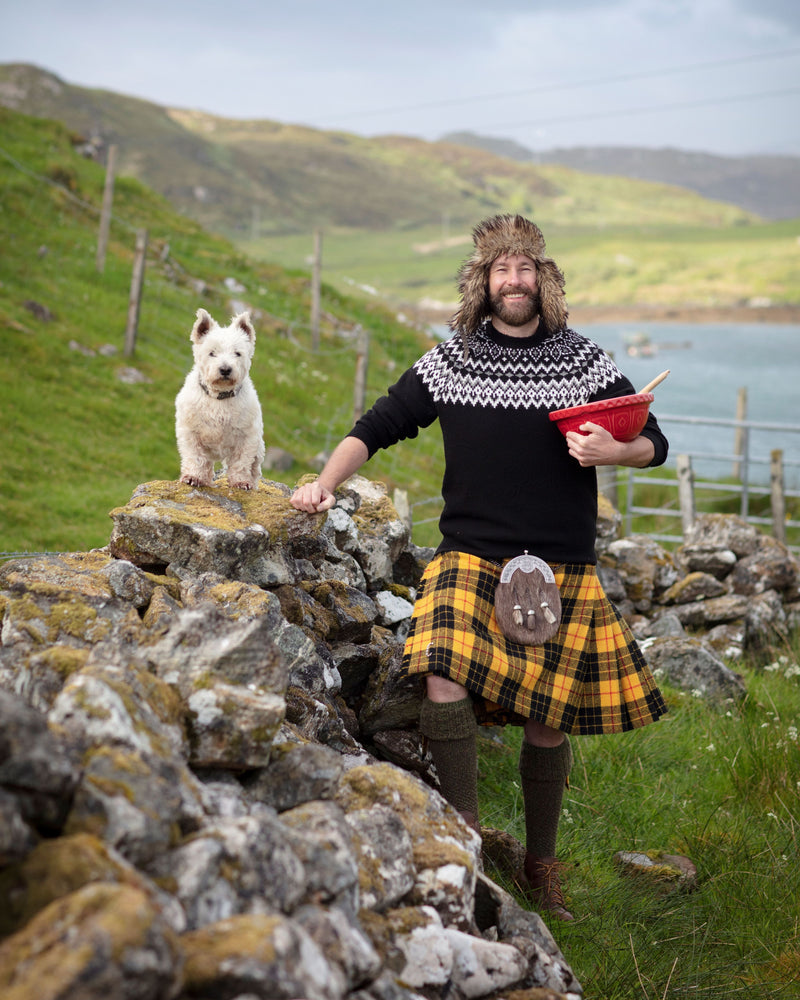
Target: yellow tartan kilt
column 590, row 678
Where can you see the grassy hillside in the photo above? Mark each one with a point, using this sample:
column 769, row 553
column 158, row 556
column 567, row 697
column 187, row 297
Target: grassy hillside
column 685, row 266
column 396, row 212
column 78, row 438
column 766, row 184
column 246, row 178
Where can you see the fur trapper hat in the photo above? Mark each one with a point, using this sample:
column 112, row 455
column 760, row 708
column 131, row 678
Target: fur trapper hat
column 506, row 234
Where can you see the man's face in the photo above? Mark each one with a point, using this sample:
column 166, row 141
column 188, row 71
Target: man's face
column 512, row 291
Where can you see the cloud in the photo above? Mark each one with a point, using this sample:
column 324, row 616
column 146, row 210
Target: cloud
column 563, row 72
column 782, row 12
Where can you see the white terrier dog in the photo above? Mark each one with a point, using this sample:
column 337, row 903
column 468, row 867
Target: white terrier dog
column 217, row 413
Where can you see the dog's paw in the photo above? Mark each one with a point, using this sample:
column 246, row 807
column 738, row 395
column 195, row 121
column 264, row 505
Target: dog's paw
column 195, row 481
column 240, row 486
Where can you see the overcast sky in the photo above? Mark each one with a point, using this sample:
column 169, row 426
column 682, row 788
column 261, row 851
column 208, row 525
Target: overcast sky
column 720, row 76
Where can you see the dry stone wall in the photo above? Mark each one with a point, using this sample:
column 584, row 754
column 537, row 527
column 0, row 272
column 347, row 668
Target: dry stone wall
column 210, row 772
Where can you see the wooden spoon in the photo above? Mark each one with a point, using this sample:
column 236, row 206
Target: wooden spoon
column 656, row 381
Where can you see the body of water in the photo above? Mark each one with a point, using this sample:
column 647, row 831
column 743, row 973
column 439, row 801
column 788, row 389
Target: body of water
column 708, row 365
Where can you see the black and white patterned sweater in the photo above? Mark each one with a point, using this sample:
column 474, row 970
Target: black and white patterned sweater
column 509, row 482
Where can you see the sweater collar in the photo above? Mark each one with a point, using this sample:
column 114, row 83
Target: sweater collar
column 520, row 343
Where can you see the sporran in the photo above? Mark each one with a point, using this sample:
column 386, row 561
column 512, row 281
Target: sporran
column 527, row 602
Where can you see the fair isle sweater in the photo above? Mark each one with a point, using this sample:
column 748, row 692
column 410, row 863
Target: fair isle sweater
column 509, row 483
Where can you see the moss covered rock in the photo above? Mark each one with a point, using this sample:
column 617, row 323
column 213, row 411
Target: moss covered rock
column 104, row 940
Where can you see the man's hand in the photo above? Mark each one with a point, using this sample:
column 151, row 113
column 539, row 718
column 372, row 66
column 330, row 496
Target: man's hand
column 592, row 444
column 313, row 498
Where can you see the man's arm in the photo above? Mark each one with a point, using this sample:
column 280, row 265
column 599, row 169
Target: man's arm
column 347, row 458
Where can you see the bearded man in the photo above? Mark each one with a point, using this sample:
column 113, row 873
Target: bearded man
column 512, row 485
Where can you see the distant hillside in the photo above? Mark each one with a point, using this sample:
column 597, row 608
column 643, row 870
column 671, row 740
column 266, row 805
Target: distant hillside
column 236, row 176
column 260, row 178
column 396, row 212
column 766, row 185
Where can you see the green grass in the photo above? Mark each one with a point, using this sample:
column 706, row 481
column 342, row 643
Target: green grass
column 77, row 440
column 719, row 784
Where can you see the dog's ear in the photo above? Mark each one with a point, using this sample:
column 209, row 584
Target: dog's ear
column 202, row 325
column 242, row 322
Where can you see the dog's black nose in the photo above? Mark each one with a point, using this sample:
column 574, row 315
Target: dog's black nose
column 225, row 372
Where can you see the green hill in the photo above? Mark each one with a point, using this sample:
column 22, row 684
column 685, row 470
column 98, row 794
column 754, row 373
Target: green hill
column 396, row 212
column 264, row 177
column 82, row 424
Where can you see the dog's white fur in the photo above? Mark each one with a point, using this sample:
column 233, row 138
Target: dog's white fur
column 217, row 412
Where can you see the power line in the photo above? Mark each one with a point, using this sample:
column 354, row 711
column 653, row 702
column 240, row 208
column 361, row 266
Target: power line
column 551, row 87
column 649, row 109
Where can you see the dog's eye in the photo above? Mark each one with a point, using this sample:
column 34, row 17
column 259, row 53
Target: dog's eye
column 238, row 354
column 212, row 354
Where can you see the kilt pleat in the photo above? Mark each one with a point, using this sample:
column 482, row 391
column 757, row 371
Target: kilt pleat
column 590, row 678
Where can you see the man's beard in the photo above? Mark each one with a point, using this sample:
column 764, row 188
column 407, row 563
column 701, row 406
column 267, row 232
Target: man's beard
column 517, row 312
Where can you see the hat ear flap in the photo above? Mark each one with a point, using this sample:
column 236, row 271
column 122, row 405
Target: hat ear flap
column 472, row 284
column 550, row 282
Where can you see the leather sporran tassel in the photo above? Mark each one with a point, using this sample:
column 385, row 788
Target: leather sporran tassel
column 527, row 603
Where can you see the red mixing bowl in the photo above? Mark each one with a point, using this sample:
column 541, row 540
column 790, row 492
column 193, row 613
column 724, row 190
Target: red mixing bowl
column 622, row 416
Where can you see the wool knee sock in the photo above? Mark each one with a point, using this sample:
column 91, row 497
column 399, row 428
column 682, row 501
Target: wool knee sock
column 451, row 730
column 544, row 772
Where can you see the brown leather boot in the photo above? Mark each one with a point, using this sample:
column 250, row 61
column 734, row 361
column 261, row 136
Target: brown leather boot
column 471, row 819
column 540, row 882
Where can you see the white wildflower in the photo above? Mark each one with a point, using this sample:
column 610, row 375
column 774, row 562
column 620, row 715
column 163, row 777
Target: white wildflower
column 697, row 693
column 792, row 671
column 711, row 748
column 772, row 667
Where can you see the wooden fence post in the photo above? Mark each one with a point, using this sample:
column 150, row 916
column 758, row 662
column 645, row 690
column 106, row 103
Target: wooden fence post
column 316, row 281
column 105, row 211
column 778, row 495
column 403, row 508
column 683, row 466
column 608, row 484
column 740, row 432
column 360, row 386
column 135, row 300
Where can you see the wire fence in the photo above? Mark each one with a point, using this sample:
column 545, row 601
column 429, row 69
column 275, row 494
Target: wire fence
column 743, row 482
